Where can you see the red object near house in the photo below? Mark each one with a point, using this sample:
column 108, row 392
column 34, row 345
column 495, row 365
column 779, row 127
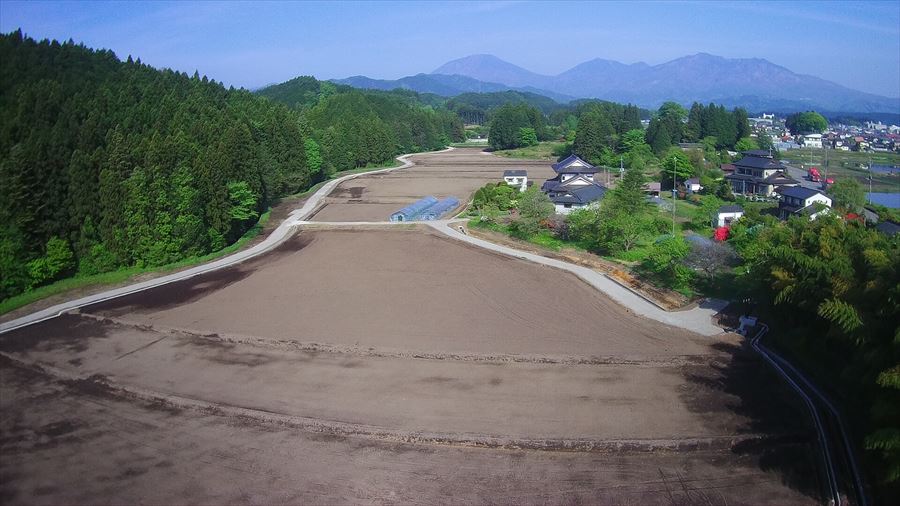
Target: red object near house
column 813, row 175
column 721, row 234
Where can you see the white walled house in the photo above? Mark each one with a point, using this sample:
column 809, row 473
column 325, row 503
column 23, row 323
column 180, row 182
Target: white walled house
column 799, row 201
column 727, row 215
column 812, row 140
column 574, row 186
column 692, row 185
column 516, row 178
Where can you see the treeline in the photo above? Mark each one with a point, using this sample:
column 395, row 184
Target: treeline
column 106, row 163
column 478, row 108
column 517, row 125
column 711, row 124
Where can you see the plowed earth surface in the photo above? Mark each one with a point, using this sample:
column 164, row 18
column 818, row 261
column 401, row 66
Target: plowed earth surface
column 389, row 366
column 457, row 173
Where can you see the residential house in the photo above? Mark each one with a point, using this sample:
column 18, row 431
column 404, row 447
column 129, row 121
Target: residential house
column 574, row 186
column 811, row 140
column 800, row 201
column 759, row 174
column 516, row 178
column 653, row 188
column 692, row 185
column 727, row 214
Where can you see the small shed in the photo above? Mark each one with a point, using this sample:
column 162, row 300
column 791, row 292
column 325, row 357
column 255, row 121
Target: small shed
column 516, row 178
column 727, row 214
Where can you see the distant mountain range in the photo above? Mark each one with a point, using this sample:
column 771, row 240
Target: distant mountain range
column 753, row 83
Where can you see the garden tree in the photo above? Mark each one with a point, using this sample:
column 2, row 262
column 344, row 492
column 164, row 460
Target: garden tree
column 527, row 137
column 534, row 208
column 848, row 195
column 621, row 220
column 710, row 257
column 497, row 195
column 809, row 122
column 706, row 212
column 676, row 165
column 746, row 144
column 664, row 264
column 764, row 142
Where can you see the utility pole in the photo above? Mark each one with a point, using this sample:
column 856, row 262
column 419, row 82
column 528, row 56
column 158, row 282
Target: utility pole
column 674, row 163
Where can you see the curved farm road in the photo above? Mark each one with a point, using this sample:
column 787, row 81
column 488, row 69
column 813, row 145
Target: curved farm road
column 355, row 362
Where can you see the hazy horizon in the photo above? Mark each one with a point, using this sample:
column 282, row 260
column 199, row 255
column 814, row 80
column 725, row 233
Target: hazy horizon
column 855, row 44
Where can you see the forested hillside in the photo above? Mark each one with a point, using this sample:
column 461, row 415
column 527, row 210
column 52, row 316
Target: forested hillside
column 355, row 128
column 106, row 163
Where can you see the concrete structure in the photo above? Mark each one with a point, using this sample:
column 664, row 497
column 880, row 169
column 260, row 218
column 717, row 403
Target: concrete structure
column 516, row 178
column 727, row 214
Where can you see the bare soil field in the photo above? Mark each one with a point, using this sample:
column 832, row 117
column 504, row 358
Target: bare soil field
column 387, row 366
column 456, row 173
column 73, row 443
column 406, row 290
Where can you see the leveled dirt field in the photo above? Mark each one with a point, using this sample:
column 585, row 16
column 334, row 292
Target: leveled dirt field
column 456, row 173
column 390, row 365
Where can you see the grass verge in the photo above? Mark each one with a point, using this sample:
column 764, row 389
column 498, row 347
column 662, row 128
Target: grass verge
column 122, row 275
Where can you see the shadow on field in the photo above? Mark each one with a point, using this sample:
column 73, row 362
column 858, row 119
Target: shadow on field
column 68, row 332
column 743, row 385
column 197, row 287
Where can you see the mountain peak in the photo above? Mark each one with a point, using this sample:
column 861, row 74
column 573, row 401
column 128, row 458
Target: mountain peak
column 487, row 67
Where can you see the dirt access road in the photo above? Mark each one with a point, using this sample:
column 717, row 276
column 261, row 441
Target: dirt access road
column 389, row 365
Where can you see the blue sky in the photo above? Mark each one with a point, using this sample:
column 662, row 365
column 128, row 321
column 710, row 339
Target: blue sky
column 856, row 44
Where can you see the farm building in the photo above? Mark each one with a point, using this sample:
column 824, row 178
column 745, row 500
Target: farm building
column 727, row 215
column 516, row 178
column 441, row 208
column 412, row 211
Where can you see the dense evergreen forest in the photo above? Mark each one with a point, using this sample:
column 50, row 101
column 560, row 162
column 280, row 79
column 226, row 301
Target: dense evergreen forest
column 106, row 163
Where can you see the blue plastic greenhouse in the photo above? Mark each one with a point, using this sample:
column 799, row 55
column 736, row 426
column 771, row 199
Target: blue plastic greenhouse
column 412, row 211
column 441, row 208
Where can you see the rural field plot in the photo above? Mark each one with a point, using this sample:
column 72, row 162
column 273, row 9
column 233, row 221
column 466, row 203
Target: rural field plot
column 456, row 173
column 392, row 336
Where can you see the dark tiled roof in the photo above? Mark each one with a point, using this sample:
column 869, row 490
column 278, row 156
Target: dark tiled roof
column 549, row 185
column 515, row 173
column 731, row 209
column 780, row 178
column 757, row 153
column 888, row 228
column 745, row 177
column 562, row 166
column 798, row 192
column 583, row 195
column 758, row 162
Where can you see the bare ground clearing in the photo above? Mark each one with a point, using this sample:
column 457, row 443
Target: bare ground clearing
column 356, row 366
column 455, row 173
column 71, row 443
column 406, row 290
